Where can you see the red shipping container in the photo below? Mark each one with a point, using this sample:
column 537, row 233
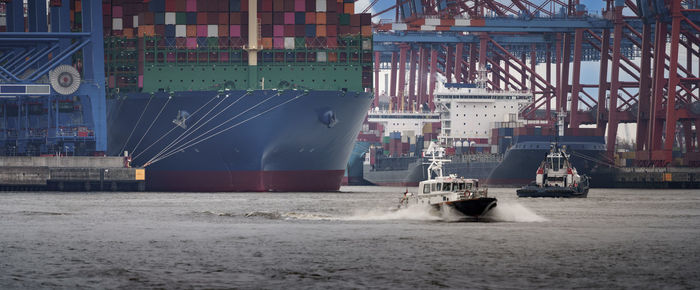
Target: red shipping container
column 146, row 18
column 332, row 6
column 106, row 9
column 234, row 18
column 223, row 19
column 349, row 8
column 201, row 18
column 266, row 5
column 223, row 6
column 355, row 30
column 265, row 18
column 278, row 18
column 191, row 6
column 289, row 31
column 191, row 42
column 332, row 30
column 266, row 30
column 244, row 6
column 332, row 18
column 299, row 5
column 343, row 30
column 288, row 17
column 180, row 5
column 278, row 5
column 367, row 31
column 235, row 31
column 310, row 5
column 159, row 30
column 278, row 42
column 321, row 30
column 201, row 30
column 278, row 30
column 170, row 5
column 355, row 20
column 300, row 30
column 366, row 19
column 117, row 12
column 331, row 42
column 310, row 18
column 212, row 18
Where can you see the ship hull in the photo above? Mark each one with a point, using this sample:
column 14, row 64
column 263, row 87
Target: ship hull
column 417, row 171
column 536, row 191
column 521, row 161
column 261, row 140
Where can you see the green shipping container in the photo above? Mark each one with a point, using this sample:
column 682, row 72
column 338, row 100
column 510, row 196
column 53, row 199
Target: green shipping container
column 181, row 18
column 344, row 19
column 299, row 42
column 386, row 139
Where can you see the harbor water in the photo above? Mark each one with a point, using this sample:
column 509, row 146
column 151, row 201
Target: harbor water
column 615, row 238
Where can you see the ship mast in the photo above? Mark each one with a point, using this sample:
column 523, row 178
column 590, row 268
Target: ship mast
column 253, row 46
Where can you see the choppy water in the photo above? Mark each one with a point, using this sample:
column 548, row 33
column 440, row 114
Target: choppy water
column 352, row 239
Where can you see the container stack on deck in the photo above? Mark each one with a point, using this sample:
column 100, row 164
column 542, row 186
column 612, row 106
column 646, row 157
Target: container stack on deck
column 207, row 30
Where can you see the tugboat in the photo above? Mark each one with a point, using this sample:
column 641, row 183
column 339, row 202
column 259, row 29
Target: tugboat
column 461, row 194
column 556, row 177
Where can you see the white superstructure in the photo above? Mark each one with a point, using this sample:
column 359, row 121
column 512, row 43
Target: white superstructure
column 469, row 112
column 408, row 123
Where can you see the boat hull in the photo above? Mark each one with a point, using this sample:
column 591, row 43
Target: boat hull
column 263, row 140
column 472, row 207
column 536, row 191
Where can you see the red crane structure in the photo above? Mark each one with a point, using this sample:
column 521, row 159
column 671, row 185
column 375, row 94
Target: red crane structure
column 646, row 54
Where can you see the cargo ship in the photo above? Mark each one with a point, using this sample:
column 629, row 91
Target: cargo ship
column 482, row 135
column 237, row 95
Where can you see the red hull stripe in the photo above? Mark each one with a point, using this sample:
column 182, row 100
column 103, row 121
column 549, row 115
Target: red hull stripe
column 218, row 181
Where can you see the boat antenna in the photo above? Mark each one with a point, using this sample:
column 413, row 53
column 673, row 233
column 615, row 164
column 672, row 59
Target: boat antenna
column 436, row 154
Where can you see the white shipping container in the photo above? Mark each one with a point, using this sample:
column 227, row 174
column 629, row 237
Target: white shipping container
column 169, row 17
column 117, row 24
column 432, row 21
column 289, row 43
column 427, row 27
column 321, row 56
column 3, row 21
column 463, row 22
column 212, row 30
column 367, row 44
column 136, row 21
column 399, row 26
column 321, row 5
column 180, row 30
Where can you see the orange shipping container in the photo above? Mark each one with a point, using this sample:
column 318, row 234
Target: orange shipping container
column 320, row 30
column 310, row 18
column 349, row 8
column 146, row 30
column 332, row 57
column 223, row 30
column 267, row 42
column 128, row 32
column 191, row 31
column 366, row 30
column 320, row 18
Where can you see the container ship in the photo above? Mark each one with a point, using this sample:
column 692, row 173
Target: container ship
column 236, row 95
column 482, row 136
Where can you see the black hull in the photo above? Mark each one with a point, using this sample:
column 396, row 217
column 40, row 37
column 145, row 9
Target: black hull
column 535, row 191
column 472, row 207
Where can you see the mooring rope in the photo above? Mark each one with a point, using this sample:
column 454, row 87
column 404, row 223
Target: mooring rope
column 225, row 129
column 136, row 125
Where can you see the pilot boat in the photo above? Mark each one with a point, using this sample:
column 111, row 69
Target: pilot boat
column 461, row 194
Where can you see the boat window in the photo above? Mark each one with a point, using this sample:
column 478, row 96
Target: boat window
column 439, row 186
column 461, row 186
column 432, row 187
column 445, row 187
column 468, row 186
column 455, row 186
column 426, row 188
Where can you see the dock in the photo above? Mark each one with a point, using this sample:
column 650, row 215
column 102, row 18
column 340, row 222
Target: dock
column 648, row 177
column 69, row 173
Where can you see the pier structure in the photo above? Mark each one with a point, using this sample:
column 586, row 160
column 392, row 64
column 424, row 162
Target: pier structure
column 645, row 53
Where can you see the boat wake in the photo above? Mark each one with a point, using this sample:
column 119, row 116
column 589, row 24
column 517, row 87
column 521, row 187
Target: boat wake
column 514, row 212
column 410, row 213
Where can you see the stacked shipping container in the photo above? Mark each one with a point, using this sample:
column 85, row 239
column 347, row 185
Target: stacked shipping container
column 209, row 24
